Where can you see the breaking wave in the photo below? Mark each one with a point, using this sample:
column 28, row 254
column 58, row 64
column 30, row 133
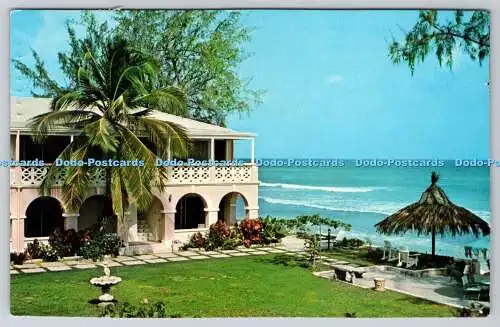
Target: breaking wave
column 348, row 206
column 322, row 188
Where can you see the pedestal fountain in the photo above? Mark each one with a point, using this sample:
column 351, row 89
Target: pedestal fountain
column 105, row 283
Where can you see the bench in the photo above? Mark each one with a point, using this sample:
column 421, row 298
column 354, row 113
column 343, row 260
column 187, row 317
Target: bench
column 347, row 273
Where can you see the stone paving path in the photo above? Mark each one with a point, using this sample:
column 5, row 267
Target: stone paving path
column 439, row 289
column 79, row 263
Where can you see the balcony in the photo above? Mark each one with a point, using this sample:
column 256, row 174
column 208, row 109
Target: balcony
column 183, row 175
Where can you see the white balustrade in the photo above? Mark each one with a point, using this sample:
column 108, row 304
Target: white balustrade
column 213, row 174
column 34, row 176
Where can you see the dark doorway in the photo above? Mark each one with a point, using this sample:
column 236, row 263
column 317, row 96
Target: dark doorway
column 190, row 212
column 220, row 150
column 43, row 216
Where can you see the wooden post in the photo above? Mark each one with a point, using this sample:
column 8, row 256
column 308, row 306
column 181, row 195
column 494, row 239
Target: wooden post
column 433, row 242
column 329, row 237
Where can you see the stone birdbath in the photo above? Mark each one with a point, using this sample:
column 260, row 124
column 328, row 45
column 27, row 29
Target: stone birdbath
column 105, row 283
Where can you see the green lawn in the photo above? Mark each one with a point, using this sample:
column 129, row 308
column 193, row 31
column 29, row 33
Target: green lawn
column 233, row 287
column 357, row 256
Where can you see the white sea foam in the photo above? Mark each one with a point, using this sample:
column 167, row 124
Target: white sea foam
column 387, row 208
column 373, row 209
column 322, row 188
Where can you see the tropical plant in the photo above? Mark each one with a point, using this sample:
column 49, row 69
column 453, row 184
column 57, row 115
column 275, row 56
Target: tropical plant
column 17, row 258
column 198, row 51
column 273, row 229
column 351, row 243
column 143, row 310
column 303, row 224
column 220, row 236
column 475, row 309
column 99, row 245
column 251, row 231
column 111, row 104
column 197, row 240
column 468, row 31
column 65, row 242
column 48, row 253
column 34, row 249
column 312, row 247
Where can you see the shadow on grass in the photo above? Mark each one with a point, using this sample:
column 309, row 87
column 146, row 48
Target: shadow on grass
column 416, row 300
column 97, row 301
column 286, row 260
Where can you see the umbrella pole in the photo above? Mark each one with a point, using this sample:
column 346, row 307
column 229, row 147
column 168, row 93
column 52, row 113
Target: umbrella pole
column 433, row 242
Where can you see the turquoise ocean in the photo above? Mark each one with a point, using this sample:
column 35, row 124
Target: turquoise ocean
column 363, row 196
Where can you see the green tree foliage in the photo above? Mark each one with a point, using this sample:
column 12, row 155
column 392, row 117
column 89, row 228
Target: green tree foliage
column 470, row 32
column 110, row 104
column 199, row 52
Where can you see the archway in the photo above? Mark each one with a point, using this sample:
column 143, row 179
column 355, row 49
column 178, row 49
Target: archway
column 43, row 216
column 92, row 212
column 150, row 223
column 232, row 208
column 190, row 212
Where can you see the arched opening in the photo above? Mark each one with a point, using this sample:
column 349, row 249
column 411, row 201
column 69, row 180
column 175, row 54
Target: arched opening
column 97, row 209
column 150, row 223
column 232, row 208
column 43, row 216
column 190, row 212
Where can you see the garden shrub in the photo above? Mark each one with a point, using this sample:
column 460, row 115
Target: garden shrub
column 351, row 243
column 34, row 249
column 375, row 254
column 66, row 243
column 197, row 240
column 219, row 236
column 251, row 230
column 48, row 253
column 143, row 310
column 273, row 230
column 312, row 247
column 99, row 244
column 18, row 258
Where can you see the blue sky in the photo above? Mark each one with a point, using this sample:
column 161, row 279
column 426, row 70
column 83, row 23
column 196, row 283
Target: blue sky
column 331, row 90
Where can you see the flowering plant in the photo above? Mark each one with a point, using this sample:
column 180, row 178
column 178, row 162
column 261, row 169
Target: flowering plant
column 251, row 230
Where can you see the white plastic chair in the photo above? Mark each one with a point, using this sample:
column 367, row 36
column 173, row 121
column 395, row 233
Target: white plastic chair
column 387, row 249
column 406, row 258
column 469, row 288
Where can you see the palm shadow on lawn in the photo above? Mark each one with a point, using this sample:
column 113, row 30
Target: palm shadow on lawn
column 286, row 260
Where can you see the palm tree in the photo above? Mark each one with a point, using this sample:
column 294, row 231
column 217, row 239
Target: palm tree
column 111, row 105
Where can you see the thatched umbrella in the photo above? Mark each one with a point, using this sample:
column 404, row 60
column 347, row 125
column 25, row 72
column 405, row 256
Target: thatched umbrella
column 434, row 213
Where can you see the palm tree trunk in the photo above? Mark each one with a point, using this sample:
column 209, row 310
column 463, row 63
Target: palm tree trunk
column 433, row 242
column 107, row 190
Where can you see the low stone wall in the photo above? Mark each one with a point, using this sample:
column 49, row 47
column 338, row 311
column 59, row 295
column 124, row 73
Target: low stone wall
column 414, row 273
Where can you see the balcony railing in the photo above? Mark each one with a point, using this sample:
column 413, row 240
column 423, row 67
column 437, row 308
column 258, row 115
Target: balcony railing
column 182, row 175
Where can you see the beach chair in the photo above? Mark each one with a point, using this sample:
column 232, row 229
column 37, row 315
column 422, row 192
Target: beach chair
column 467, row 270
column 475, row 270
column 470, row 288
column 387, row 250
column 406, row 258
column 390, row 253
